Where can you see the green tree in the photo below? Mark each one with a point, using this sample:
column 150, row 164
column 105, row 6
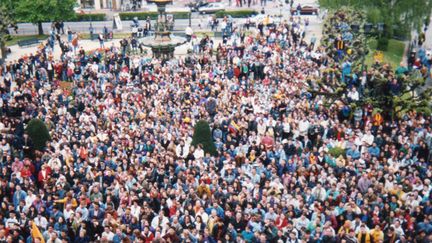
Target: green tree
column 399, row 16
column 202, row 135
column 6, row 21
column 411, row 94
column 38, row 132
column 39, row 11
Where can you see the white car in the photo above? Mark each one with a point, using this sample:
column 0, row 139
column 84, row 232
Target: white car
column 212, row 8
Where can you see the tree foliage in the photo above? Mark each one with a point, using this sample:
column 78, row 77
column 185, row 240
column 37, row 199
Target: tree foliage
column 39, row 11
column 400, row 16
column 6, row 21
column 332, row 29
column 38, row 132
column 337, row 151
column 394, row 93
column 202, row 135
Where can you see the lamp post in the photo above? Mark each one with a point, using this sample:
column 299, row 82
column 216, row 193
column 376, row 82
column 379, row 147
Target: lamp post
column 190, row 5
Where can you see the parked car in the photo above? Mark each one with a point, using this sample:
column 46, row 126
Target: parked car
column 194, row 6
column 306, row 9
column 212, row 8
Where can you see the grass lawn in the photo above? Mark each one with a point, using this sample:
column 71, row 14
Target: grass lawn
column 14, row 39
column 393, row 55
column 86, row 36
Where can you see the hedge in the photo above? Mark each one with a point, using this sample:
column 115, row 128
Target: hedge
column 38, row 132
column 236, row 13
column 202, row 135
column 90, row 17
column 383, row 43
column 152, row 15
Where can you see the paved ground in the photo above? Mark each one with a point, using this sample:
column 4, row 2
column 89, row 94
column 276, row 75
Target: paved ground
column 86, row 44
column 272, row 8
column 428, row 42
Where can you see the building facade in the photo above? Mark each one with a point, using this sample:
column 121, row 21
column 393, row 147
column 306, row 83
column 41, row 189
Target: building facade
column 122, row 5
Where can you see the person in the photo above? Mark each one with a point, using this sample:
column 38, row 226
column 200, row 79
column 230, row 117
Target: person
column 124, row 44
column 313, row 41
column 363, row 236
column 69, row 34
column 299, row 8
column 123, row 154
column 105, row 33
column 62, row 27
column 101, row 40
column 189, row 33
column 91, row 30
column 134, row 44
column 391, row 236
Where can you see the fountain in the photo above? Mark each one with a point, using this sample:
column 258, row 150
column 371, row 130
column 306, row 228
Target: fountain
column 162, row 43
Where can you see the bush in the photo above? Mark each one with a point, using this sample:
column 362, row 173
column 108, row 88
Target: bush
column 90, row 17
column 202, row 135
column 383, row 44
column 38, row 132
column 152, row 15
column 236, row 13
column 337, row 151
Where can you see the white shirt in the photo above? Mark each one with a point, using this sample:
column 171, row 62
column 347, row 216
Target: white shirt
column 67, row 213
column 29, row 200
column 109, row 235
column 368, row 139
column 354, row 95
column 183, row 153
column 41, row 222
column 135, row 211
column 198, row 153
column 162, row 223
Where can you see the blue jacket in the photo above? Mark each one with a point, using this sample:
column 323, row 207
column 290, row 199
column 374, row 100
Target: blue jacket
column 374, row 151
column 355, row 154
column 18, row 196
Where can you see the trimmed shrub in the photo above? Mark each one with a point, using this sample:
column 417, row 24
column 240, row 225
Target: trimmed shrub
column 383, row 44
column 152, row 15
column 337, row 151
column 202, row 135
column 90, row 17
column 236, row 13
column 38, row 132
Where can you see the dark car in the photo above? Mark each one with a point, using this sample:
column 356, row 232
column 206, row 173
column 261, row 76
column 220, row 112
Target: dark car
column 194, row 6
column 305, row 10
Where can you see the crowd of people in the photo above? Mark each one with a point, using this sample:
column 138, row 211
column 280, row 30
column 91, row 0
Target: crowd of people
column 120, row 167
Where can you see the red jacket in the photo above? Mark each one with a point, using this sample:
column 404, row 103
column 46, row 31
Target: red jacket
column 44, row 174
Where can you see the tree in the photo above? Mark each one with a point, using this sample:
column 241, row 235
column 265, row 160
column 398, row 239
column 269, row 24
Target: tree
column 38, row 132
column 6, row 21
column 399, row 16
column 39, row 11
column 202, row 135
column 393, row 93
